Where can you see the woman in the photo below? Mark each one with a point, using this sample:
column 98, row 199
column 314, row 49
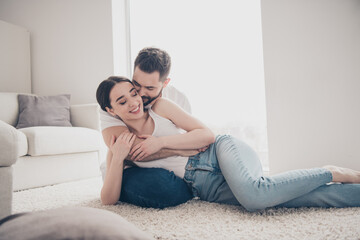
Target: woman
column 228, row 171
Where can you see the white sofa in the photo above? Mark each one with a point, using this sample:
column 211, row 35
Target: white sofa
column 39, row 156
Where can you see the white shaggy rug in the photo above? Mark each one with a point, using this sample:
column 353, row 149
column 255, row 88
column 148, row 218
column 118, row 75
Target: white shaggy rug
column 201, row 220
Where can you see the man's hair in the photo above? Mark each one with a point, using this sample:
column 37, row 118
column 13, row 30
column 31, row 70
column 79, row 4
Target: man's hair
column 104, row 89
column 151, row 59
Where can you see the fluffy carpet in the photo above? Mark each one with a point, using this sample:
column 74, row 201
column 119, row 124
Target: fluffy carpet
column 201, row 220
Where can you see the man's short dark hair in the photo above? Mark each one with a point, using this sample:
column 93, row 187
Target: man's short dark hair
column 152, row 59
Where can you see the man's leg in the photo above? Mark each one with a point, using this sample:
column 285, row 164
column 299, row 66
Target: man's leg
column 333, row 195
column 243, row 173
column 153, row 187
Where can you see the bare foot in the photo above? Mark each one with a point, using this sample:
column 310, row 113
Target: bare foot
column 344, row 175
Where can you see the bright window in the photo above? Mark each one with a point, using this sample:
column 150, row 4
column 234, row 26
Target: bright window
column 217, row 60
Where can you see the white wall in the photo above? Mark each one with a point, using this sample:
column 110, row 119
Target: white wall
column 71, row 44
column 312, row 81
column 15, row 75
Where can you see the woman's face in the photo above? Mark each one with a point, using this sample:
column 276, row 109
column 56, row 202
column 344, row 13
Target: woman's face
column 125, row 102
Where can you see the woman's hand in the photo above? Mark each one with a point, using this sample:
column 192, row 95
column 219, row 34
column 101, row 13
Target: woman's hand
column 148, row 147
column 121, row 146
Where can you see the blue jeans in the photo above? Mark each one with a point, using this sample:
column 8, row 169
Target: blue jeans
column 229, row 171
column 153, row 187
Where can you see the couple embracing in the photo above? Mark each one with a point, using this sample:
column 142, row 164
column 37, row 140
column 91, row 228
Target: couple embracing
column 160, row 155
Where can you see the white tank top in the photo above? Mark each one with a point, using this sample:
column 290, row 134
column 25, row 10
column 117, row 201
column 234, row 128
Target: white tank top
column 164, row 127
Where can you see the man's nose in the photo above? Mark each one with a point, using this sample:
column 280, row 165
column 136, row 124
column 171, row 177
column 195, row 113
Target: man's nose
column 141, row 92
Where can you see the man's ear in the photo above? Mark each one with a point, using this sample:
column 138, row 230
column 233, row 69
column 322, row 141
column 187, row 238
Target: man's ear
column 166, row 82
column 110, row 111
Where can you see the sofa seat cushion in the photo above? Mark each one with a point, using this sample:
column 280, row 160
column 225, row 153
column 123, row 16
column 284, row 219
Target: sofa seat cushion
column 61, row 140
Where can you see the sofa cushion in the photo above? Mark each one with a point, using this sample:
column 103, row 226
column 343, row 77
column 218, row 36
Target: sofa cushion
column 44, row 110
column 82, row 223
column 61, row 140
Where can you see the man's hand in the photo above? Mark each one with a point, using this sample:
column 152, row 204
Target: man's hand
column 203, row 149
column 108, row 134
column 120, row 147
column 146, row 148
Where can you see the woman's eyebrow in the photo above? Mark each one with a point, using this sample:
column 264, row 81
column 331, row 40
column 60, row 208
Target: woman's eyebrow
column 119, row 98
column 123, row 95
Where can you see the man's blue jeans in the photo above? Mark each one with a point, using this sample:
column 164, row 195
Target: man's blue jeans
column 153, row 187
column 229, row 171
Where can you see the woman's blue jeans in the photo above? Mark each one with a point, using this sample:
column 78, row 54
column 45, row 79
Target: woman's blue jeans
column 153, row 187
column 229, row 171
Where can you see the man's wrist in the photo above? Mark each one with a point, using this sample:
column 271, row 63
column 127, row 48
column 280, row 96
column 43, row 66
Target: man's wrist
column 173, row 152
column 162, row 143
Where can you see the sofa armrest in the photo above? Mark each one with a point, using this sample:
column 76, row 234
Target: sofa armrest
column 13, row 144
column 85, row 115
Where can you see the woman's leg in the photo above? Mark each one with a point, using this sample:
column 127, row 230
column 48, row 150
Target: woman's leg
column 243, row 172
column 153, row 187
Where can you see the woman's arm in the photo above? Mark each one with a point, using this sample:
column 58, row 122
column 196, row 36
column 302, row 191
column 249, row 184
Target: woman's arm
column 197, row 134
column 120, row 147
column 196, row 137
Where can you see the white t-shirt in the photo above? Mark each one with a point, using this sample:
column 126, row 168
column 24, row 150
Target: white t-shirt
column 170, row 92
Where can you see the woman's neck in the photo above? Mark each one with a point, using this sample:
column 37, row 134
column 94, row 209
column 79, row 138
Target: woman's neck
column 138, row 126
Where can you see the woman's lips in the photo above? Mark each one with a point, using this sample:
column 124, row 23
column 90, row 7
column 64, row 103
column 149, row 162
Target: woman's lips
column 136, row 110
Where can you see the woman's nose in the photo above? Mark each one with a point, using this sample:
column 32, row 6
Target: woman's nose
column 133, row 103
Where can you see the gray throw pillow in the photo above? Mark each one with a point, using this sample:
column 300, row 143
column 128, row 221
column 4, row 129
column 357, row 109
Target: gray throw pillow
column 80, row 223
column 44, row 110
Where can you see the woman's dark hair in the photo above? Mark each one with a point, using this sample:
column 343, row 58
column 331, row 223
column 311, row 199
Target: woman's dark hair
column 103, row 91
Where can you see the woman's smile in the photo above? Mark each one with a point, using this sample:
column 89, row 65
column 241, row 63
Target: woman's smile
column 136, row 110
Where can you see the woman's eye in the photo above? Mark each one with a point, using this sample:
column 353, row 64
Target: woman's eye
column 122, row 103
column 135, row 94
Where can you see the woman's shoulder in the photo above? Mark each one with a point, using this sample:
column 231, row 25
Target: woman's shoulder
column 162, row 103
column 162, row 107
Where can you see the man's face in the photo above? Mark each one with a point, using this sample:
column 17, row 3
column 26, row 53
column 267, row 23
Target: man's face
column 148, row 85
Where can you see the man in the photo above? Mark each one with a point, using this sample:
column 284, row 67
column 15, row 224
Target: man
column 150, row 187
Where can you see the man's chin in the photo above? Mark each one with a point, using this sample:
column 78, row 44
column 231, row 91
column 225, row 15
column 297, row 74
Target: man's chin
column 146, row 103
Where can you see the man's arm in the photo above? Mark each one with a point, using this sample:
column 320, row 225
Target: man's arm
column 163, row 153
column 107, row 134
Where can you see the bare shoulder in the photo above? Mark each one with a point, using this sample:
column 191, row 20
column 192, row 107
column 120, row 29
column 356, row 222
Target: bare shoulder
column 162, row 103
column 164, row 106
